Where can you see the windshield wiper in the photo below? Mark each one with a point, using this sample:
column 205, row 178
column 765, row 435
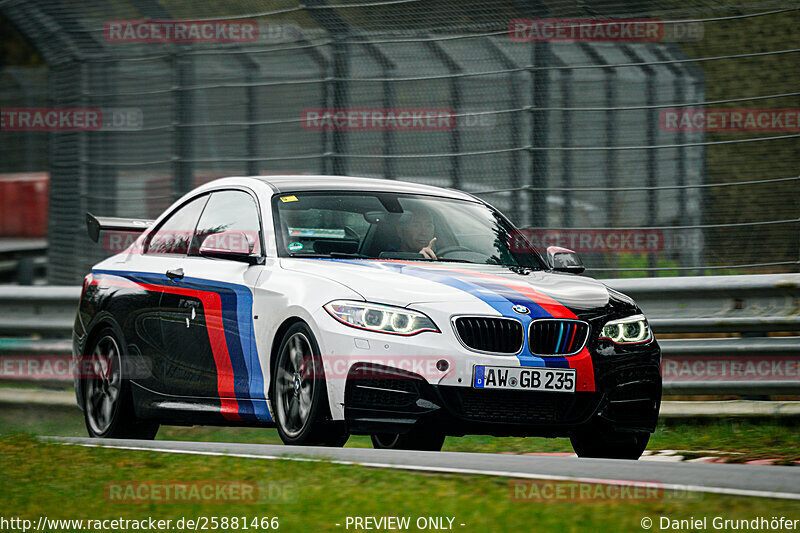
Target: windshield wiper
column 440, row 260
column 443, row 260
column 340, row 255
column 522, row 269
column 347, row 255
column 307, row 254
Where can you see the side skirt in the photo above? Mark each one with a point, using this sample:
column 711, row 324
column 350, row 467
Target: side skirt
column 187, row 411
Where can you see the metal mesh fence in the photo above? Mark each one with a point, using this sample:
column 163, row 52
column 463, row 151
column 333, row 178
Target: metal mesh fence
column 592, row 141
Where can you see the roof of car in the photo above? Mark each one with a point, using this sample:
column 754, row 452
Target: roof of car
column 299, row 183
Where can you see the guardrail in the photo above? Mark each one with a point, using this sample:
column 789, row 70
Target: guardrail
column 22, row 259
column 38, row 310
column 717, row 304
column 753, row 306
column 750, row 305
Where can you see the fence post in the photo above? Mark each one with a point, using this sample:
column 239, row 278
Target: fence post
column 388, row 135
column 27, row 93
column 341, row 68
column 540, row 59
column 567, row 155
column 680, row 98
column 184, row 171
column 252, row 115
column 515, row 126
column 455, row 103
column 651, row 140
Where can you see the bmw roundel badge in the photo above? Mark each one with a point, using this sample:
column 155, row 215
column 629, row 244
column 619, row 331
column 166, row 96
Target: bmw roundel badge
column 521, row 309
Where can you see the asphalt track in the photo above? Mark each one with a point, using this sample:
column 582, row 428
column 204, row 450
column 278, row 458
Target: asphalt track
column 745, row 480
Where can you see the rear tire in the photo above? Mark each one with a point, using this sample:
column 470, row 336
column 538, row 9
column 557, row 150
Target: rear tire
column 604, row 442
column 299, row 393
column 106, row 394
column 419, row 438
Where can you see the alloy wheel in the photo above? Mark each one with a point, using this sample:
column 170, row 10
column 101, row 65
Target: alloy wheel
column 104, row 385
column 295, row 384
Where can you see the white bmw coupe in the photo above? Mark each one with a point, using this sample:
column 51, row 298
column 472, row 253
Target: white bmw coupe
column 329, row 306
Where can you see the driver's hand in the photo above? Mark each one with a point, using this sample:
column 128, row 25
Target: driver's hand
column 428, row 250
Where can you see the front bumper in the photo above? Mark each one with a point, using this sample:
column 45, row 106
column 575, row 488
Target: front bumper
column 386, row 400
column 374, row 394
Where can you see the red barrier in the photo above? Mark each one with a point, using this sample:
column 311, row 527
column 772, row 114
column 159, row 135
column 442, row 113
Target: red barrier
column 24, row 204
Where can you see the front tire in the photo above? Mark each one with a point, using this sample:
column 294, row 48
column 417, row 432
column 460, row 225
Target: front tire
column 299, row 393
column 107, row 401
column 605, row 442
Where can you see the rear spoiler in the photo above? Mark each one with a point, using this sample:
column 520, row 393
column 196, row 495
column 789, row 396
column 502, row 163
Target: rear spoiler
column 97, row 224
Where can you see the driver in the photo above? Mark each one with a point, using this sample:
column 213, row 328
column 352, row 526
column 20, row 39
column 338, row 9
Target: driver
column 416, row 234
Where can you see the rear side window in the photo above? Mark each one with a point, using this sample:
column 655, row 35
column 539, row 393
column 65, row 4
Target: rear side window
column 175, row 234
column 229, row 211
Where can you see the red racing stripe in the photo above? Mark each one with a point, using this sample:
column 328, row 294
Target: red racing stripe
column 582, row 363
column 549, row 304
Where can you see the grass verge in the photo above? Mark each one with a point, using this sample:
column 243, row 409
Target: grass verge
column 743, row 439
column 72, row 482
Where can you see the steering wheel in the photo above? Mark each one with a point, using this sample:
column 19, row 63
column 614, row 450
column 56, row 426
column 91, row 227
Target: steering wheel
column 449, row 249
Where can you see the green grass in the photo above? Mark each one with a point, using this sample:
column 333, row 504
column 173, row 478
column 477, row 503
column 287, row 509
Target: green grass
column 60, row 481
column 755, row 440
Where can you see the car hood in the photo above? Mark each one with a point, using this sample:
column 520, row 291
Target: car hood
column 415, row 282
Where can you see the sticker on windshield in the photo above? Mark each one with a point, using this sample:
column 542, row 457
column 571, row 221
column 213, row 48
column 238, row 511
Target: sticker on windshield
column 295, row 246
column 290, row 198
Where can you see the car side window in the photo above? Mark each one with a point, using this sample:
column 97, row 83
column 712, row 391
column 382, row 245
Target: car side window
column 175, row 233
column 229, row 211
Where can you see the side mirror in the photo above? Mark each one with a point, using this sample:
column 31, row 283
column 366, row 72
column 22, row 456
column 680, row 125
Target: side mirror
column 564, row 260
column 233, row 245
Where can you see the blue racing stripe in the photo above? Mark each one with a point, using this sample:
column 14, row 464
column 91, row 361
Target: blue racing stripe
column 496, row 295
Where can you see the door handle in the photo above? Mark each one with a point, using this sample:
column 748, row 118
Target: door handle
column 175, row 274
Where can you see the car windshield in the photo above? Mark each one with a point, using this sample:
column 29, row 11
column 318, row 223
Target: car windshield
column 397, row 226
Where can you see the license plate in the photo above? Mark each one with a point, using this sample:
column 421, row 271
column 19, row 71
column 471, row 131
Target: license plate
column 517, row 378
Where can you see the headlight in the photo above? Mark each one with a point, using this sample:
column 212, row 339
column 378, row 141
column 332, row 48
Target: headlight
column 628, row 330
column 380, row 318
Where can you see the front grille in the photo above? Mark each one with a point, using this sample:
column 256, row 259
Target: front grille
column 506, row 406
column 557, row 337
column 489, row 334
column 518, row 407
